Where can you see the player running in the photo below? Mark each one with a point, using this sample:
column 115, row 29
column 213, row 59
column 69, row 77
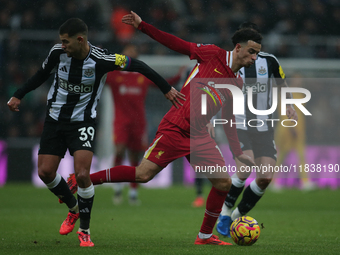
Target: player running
column 182, row 132
column 257, row 140
column 79, row 70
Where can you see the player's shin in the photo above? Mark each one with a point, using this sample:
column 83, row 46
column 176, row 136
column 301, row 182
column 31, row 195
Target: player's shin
column 59, row 188
column 114, row 174
column 251, row 196
column 234, row 192
column 213, row 208
column 85, row 202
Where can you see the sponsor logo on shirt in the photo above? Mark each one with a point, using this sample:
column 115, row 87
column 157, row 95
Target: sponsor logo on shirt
column 257, row 87
column 125, row 90
column 74, row 88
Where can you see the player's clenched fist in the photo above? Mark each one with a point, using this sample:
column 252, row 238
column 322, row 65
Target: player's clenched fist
column 13, row 104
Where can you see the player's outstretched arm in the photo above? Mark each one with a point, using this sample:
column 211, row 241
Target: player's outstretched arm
column 168, row 40
column 132, row 19
column 13, row 104
column 169, row 92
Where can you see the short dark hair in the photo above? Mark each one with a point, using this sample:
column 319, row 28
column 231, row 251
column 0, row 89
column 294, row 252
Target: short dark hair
column 73, row 26
column 251, row 25
column 245, row 34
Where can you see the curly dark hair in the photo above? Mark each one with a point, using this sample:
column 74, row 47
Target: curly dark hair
column 243, row 35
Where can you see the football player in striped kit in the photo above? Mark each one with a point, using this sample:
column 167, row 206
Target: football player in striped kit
column 256, row 137
column 79, row 75
column 182, row 131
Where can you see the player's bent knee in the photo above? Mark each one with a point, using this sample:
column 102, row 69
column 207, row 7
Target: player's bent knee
column 144, row 177
column 82, row 177
column 46, row 175
column 146, row 171
column 263, row 182
column 222, row 184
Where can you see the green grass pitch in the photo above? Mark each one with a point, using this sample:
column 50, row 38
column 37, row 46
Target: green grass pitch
column 294, row 223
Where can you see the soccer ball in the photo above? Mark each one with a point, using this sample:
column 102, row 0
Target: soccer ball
column 245, row 231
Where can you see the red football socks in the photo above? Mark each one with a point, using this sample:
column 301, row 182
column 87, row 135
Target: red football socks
column 213, row 209
column 115, row 174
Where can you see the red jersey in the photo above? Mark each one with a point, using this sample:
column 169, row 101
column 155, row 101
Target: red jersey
column 212, row 63
column 129, row 90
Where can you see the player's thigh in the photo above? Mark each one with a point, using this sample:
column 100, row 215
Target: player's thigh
column 82, row 161
column 167, row 146
column 48, row 166
column 206, row 158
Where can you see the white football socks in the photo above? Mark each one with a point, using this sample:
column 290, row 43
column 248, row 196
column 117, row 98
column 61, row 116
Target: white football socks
column 204, row 236
column 226, row 211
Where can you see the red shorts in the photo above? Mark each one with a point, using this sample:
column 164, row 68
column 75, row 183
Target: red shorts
column 171, row 142
column 133, row 135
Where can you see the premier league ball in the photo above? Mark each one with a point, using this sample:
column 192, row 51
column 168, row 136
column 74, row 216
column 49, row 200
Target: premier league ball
column 245, row 231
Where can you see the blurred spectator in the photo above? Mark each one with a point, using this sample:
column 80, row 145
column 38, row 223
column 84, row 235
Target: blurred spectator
column 302, row 49
column 291, row 27
column 28, row 20
column 50, row 15
column 123, row 33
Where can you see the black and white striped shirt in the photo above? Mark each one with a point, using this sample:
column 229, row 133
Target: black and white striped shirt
column 78, row 84
column 261, row 76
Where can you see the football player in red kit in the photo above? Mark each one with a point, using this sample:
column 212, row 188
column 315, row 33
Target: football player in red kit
column 182, row 132
column 129, row 91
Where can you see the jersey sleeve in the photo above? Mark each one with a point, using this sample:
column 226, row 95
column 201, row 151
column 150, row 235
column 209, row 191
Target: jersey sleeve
column 172, row 42
column 201, row 52
column 142, row 68
column 229, row 130
column 42, row 74
column 278, row 73
column 204, row 52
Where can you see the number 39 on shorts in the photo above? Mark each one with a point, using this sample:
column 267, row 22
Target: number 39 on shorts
column 86, row 132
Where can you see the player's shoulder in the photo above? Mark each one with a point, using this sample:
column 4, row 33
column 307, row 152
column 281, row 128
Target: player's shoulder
column 268, row 56
column 207, row 46
column 102, row 54
column 56, row 49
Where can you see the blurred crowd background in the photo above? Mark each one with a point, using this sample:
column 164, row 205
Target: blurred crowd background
column 296, row 29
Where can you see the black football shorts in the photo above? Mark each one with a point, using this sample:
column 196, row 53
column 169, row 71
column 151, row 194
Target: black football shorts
column 261, row 143
column 57, row 137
